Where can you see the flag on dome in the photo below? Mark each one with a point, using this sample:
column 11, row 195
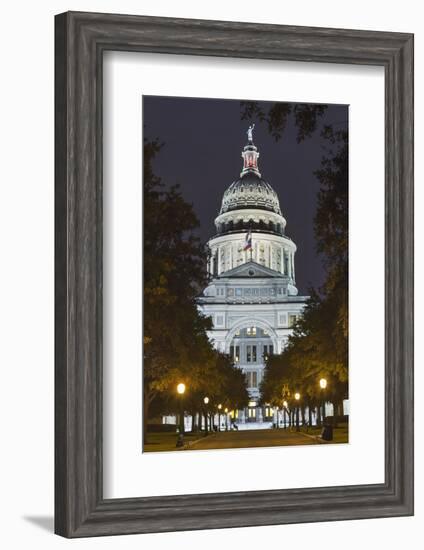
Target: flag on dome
column 248, row 241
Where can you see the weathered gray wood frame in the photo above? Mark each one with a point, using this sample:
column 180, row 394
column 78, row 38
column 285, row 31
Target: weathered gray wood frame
column 81, row 39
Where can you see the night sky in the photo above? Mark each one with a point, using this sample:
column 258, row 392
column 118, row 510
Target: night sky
column 203, row 140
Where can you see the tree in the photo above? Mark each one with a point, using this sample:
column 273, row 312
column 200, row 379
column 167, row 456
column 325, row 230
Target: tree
column 175, row 339
column 222, row 382
column 318, row 346
column 305, row 117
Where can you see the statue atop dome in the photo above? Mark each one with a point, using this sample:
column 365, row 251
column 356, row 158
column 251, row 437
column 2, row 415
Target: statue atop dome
column 250, row 133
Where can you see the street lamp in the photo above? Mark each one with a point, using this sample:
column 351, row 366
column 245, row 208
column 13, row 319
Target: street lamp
column 226, row 419
column 219, row 417
column 181, row 390
column 297, row 397
column 323, row 385
column 206, row 401
column 285, row 405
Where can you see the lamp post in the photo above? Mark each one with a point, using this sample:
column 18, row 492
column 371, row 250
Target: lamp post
column 323, row 385
column 181, row 390
column 285, row 405
column 219, row 417
column 206, row 401
column 297, row 397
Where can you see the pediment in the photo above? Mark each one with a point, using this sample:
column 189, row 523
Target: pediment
column 251, row 270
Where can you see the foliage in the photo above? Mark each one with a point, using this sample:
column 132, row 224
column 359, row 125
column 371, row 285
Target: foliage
column 305, row 117
column 318, row 347
column 176, row 345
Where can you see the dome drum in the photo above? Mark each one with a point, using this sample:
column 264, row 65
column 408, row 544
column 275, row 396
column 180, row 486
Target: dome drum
column 243, row 225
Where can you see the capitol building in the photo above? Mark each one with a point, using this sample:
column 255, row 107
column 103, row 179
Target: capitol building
column 251, row 297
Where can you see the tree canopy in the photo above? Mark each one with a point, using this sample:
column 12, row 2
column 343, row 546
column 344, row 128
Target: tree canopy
column 176, row 345
column 318, row 347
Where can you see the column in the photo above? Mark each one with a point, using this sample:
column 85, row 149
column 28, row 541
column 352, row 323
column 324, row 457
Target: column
column 259, row 417
column 294, row 272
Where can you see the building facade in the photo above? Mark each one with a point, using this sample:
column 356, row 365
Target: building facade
column 251, row 297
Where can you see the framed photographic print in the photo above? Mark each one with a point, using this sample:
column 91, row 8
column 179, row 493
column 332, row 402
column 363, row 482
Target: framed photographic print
column 234, row 271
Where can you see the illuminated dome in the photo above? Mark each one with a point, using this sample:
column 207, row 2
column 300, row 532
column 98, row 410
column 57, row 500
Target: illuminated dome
column 250, row 226
column 250, row 203
column 250, row 191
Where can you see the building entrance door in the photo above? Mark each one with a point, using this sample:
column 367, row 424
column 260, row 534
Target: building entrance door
column 252, row 414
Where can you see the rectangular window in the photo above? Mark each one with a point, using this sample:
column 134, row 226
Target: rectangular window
column 237, row 356
column 271, row 350
column 249, row 354
column 254, row 354
column 231, row 351
column 251, row 331
column 265, row 353
column 292, row 320
column 252, row 380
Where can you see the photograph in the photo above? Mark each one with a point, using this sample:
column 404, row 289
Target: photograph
column 245, row 274
column 208, row 280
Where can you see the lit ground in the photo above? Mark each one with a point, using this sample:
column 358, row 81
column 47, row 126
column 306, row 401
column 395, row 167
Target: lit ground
column 246, row 438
